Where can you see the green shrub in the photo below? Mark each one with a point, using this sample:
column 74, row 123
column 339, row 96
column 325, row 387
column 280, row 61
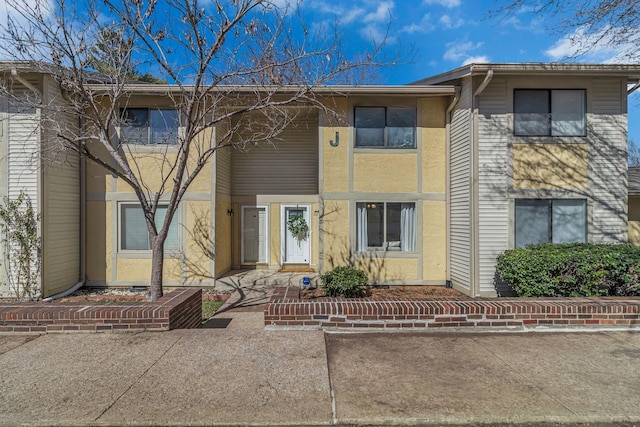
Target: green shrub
column 345, row 282
column 572, row 270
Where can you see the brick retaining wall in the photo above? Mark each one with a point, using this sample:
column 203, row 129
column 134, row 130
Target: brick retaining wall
column 286, row 309
column 181, row 308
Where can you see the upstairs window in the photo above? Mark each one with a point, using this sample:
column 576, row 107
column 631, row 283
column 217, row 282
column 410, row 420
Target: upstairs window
column 385, row 127
column 556, row 112
column 386, row 226
column 149, row 126
column 550, row 221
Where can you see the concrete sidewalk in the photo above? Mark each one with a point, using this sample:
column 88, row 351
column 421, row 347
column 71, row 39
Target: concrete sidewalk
column 243, row 375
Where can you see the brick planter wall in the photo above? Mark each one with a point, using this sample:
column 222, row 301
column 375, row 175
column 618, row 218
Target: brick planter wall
column 181, row 308
column 287, row 310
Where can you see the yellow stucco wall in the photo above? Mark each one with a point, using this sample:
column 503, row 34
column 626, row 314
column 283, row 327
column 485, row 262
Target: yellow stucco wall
column 335, row 165
column 199, row 243
column 434, row 140
column 140, row 269
column 380, row 268
column 152, row 164
column 382, row 172
column 634, row 221
column 537, row 166
column 434, row 240
column 274, row 235
column 634, row 233
column 334, row 229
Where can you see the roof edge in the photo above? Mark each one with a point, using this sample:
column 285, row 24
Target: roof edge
column 630, row 71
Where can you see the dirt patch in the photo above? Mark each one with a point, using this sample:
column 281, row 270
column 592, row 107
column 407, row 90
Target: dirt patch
column 378, row 293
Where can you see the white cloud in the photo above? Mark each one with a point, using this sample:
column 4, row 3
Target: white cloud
column 589, row 48
column 446, row 3
column 344, row 15
column 456, row 51
column 377, row 34
column 481, row 59
column 18, row 9
column 450, row 23
column 425, row 25
column 382, row 13
column 374, row 16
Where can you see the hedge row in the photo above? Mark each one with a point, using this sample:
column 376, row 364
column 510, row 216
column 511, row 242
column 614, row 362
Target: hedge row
column 572, row 270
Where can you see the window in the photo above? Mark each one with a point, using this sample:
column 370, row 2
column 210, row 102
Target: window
column 149, row 126
column 385, row 127
column 386, row 226
column 555, row 112
column 550, row 221
column 134, row 235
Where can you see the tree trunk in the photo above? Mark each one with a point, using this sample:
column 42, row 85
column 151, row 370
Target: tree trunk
column 157, row 261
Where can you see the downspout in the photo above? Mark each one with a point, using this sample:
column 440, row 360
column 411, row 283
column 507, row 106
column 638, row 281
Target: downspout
column 475, row 188
column 633, row 89
column 448, row 116
column 65, row 293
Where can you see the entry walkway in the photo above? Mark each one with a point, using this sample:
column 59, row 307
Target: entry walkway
column 253, row 288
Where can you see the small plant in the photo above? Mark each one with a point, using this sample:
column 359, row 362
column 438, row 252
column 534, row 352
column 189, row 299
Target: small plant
column 347, row 282
column 298, row 226
column 19, row 226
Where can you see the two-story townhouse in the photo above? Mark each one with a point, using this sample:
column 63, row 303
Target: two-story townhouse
column 368, row 177
column 537, row 153
column 419, row 184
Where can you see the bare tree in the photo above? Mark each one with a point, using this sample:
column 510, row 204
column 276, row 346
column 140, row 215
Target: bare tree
column 593, row 24
column 236, row 66
column 633, row 154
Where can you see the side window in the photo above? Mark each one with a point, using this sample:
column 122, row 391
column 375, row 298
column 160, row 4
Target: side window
column 386, row 226
column 134, row 235
column 385, row 127
column 149, row 126
column 556, row 112
column 550, row 221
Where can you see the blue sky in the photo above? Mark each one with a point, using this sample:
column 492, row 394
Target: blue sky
column 446, row 34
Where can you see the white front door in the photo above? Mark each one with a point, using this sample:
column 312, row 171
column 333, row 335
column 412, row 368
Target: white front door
column 296, row 248
column 254, row 234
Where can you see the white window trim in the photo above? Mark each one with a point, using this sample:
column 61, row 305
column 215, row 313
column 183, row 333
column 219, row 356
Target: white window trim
column 266, row 233
column 385, row 250
column 146, row 253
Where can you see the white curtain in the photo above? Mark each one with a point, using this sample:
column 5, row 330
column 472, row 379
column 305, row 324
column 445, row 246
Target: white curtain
column 362, row 242
column 408, row 227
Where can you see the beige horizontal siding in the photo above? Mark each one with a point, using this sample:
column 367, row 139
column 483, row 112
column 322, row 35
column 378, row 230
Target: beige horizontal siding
column 288, row 166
